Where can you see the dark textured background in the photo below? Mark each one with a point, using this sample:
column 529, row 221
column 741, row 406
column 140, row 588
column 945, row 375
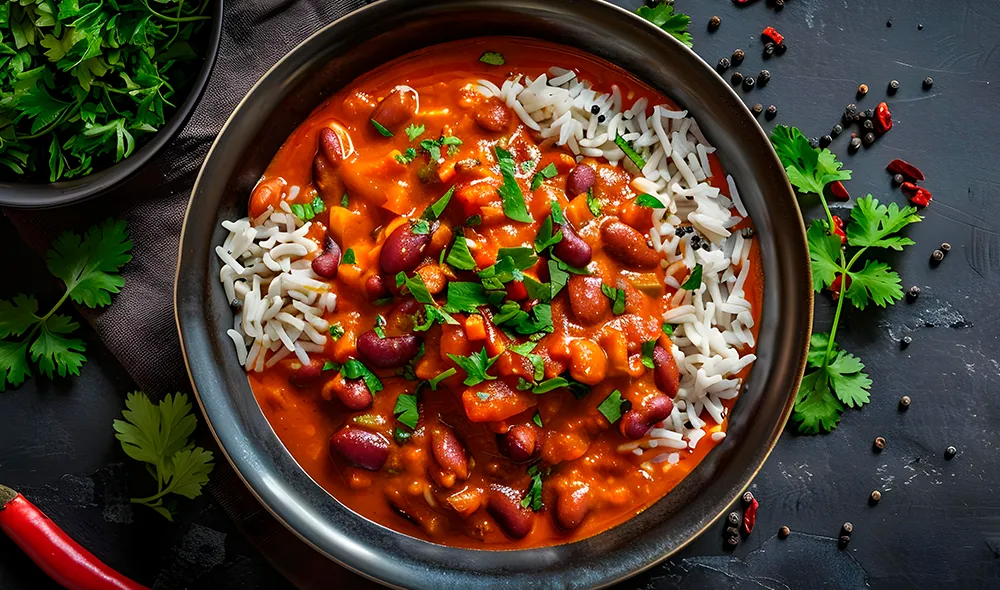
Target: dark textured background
column 938, row 524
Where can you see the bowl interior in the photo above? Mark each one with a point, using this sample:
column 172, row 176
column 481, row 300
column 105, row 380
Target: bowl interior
column 332, row 58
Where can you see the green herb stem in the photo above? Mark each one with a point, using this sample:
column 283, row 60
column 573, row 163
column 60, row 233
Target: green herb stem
column 840, row 306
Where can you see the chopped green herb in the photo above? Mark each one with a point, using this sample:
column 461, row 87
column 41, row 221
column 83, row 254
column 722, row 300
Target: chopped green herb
column 492, row 58
column 355, row 369
column 629, row 152
column 523, row 384
column 558, row 217
column 437, row 207
column 538, row 420
column 510, row 192
column 536, row 290
column 435, row 380
column 475, row 366
column 528, row 166
column 379, row 331
column 401, row 435
column 545, row 238
column 538, row 364
column 557, row 277
column 433, row 146
column 460, row 257
column 415, row 285
column 414, row 131
column 647, row 354
column 694, row 281
column 808, row 169
column 474, row 221
column 550, row 384
column 349, row 257
column 522, row 348
column 539, row 319
column 667, row 329
column 611, row 407
column 617, row 297
column 343, row 201
column 648, row 200
column 382, row 301
column 382, row 130
column 433, row 315
column 406, row 410
column 593, row 203
column 543, row 175
column 306, row 211
column 407, row 156
column 420, row 227
column 331, row 366
column 533, row 497
column 465, row 297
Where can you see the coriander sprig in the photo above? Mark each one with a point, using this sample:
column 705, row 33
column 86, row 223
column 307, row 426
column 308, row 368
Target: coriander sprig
column 88, row 267
column 836, row 378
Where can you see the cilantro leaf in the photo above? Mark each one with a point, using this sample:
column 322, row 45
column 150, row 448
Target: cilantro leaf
column 557, row 277
column 537, row 419
column 629, row 152
column 693, row 283
column 542, row 175
column 349, row 257
column 816, row 407
column 89, row 266
column 533, row 497
column 817, row 349
column 436, row 208
column 611, row 407
column 406, row 410
column 188, row 472
column 53, row 351
column 826, row 390
column 648, row 200
column 824, row 254
column 593, row 203
column 460, row 256
column 465, row 297
column 545, row 238
column 492, row 58
column 874, row 280
column 647, row 354
column 874, row 224
column 435, row 380
column 18, row 315
column 414, row 131
column 14, row 367
column 336, row 331
column 355, row 369
column 510, row 191
column 475, row 366
column 432, row 315
column 415, row 285
column 808, row 168
column 849, row 381
column 663, row 16
column 617, row 297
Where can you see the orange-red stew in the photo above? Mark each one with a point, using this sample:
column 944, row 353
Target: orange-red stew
column 468, row 473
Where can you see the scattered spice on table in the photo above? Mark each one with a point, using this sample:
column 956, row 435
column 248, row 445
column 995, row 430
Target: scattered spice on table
column 757, row 109
column 875, row 497
column 784, row 531
column 837, row 130
column 913, row 293
column 905, row 169
column 928, row 82
column 847, row 528
column 882, row 118
column 855, row 144
column 750, row 514
column 779, row 5
column 904, row 342
column 768, row 50
column 837, row 188
column 771, row 34
column 904, row 402
column 937, row 256
column 945, row 247
column 950, row 452
column 825, row 141
column 733, row 540
column 733, row 518
column 723, row 65
column 888, row 24
column 879, row 443
column 738, row 56
column 868, row 139
column 713, row 23
column 748, row 83
column 763, row 78
column 844, row 540
column 736, row 78
column 771, row 112
column 898, row 179
column 862, row 90
column 893, row 86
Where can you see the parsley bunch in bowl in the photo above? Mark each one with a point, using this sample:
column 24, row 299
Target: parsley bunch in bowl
column 84, row 82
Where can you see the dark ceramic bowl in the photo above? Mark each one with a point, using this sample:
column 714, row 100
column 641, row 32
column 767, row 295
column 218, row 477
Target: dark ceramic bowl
column 48, row 195
column 332, row 58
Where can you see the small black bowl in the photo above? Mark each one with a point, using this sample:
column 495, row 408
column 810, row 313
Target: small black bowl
column 57, row 194
column 364, row 40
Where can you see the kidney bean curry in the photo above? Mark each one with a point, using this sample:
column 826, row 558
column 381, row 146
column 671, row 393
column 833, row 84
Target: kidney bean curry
column 498, row 329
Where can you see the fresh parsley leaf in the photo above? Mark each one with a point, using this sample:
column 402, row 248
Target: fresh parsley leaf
column 437, row 207
column 349, row 257
column 407, row 156
column 545, row 238
column 434, row 315
column 874, row 224
column 332, row 366
column 159, row 434
column 550, row 385
column 474, row 221
column 558, row 217
column 593, row 203
column 817, row 349
column 435, row 380
column 611, row 407
column 630, row 153
column 492, row 58
column 420, row 227
column 380, row 128
column 849, row 381
column 18, row 316
column 318, row 206
column 406, row 410
column 538, row 420
column 510, row 192
column 355, row 369
column 14, row 367
column 433, row 146
column 536, row 290
column 475, row 366
column 829, row 387
column 528, row 165
column 667, row 329
column 304, row 212
column 648, row 200
column 523, row 348
column 542, row 175
column 336, row 331
column 693, row 283
column 647, row 354
column 824, row 254
column 663, row 16
column 557, row 277
column 343, row 201
column 808, row 169
column 414, row 131
column 617, row 297
column 89, row 266
column 465, row 297
column 460, row 257
column 816, row 408
column 522, row 257
column 415, row 285
column 53, row 351
column 533, row 497
column 876, row 281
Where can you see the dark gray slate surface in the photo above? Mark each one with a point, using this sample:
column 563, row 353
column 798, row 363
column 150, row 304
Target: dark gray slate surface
column 938, row 524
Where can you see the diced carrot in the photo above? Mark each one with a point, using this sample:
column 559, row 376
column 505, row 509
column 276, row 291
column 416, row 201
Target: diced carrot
column 440, row 239
column 446, row 171
column 475, row 329
column 492, row 215
column 495, row 400
column 578, row 212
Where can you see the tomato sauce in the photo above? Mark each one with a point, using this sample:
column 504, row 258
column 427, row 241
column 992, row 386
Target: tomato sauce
column 452, row 479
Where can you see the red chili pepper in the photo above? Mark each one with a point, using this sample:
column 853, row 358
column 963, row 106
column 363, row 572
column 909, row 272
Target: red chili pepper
column 883, row 118
column 743, row 1
column 909, row 189
column 835, row 286
column 922, row 197
column 838, row 229
column 772, row 35
column 750, row 515
column 516, row 291
column 839, row 191
column 909, row 171
column 51, row 549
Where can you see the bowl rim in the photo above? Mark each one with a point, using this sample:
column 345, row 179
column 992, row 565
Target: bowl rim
column 49, row 195
column 806, row 290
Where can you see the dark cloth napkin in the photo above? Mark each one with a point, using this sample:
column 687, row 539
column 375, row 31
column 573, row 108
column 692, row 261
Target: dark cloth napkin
column 139, row 326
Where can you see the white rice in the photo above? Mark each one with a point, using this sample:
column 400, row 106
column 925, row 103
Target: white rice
column 281, row 300
column 713, row 324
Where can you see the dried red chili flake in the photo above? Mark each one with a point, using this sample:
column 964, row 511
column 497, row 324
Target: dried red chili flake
column 883, row 118
column 838, row 229
column 839, row 191
column 750, row 515
column 769, row 34
column 835, row 286
column 909, row 189
column 922, row 197
column 909, row 171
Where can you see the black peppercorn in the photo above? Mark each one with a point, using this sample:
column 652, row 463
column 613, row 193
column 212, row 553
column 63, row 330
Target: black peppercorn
column 813, row 142
column 837, row 130
column 879, row 443
column 844, row 540
column 723, row 64
column 736, row 78
column 747, row 497
column 847, row 528
column 733, row 540
column 904, row 342
column 713, row 23
column 937, row 255
column 601, row 118
column 595, row 109
column 913, row 293
column 928, row 82
column 763, row 78
column 768, row 50
column 825, row 141
column 732, row 530
column 771, row 112
column 868, row 139
column 862, row 90
column 781, row 48
column 236, row 304
column 733, row 518
column 855, row 144
column 784, row 531
column 747, row 233
column 868, row 125
column 778, row 5
column 888, row 24
column 920, row 27
column 893, row 86
column 748, row 83
column 757, row 109
column 738, row 56
column 898, row 179
column 945, row 247
column 867, row 113
column 904, row 402
column 850, row 114
column 950, row 452
column 875, row 497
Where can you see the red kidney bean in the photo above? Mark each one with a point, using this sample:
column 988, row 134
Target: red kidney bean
column 395, row 109
column 580, row 179
column 449, row 452
column 353, row 393
column 306, row 374
column 376, row 289
column 636, row 422
column 667, row 376
column 572, row 506
column 330, row 146
column 571, row 249
column 325, row 177
column 519, row 443
column 504, row 505
column 628, row 246
column 364, row 449
column 588, row 303
column 388, row 352
column 327, row 263
column 493, row 115
column 403, row 250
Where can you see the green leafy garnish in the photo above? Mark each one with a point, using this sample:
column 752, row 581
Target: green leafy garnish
column 433, row 146
column 667, row 329
column 465, row 297
column 648, row 200
column 406, row 410
column 381, row 129
column 331, row 366
column 415, row 285
column 460, row 257
column 435, row 380
column 510, row 192
column 630, row 153
column 437, row 207
column 414, row 131
column 492, row 58
column 545, row 238
column 355, row 369
column 663, row 16
column 343, row 201
column 647, row 353
column 617, row 297
column 420, row 227
column 542, row 175
column 474, row 220
column 88, row 268
column 593, row 204
column 693, row 283
column 537, row 419
column 407, row 156
column 475, row 366
column 533, row 497
column 611, row 407
column 808, row 169
column 159, row 435
column 349, row 257
column 307, row 211
column 558, row 276
column 434, row 315
column 558, row 218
